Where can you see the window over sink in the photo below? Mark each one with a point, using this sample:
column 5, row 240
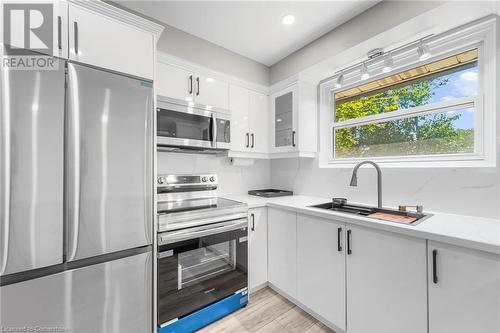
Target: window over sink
column 440, row 110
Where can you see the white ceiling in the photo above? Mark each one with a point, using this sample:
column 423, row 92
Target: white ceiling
column 253, row 28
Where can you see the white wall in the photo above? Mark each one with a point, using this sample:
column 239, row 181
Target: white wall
column 456, row 191
column 202, row 52
column 186, row 46
column 232, row 180
column 468, row 191
column 379, row 18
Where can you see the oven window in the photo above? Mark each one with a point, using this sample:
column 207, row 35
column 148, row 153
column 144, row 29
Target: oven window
column 205, row 263
column 223, row 130
column 183, row 125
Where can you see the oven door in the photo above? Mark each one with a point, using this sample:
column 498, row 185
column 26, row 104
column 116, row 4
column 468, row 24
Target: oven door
column 184, row 126
column 199, row 266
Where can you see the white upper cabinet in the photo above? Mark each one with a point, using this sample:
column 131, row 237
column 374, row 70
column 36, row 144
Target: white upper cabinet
column 282, row 247
column 258, row 119
column 60, row 29
column 189, row 85
column 293, row 120
column 106, row 42
column 464, row 289
column 238, row 105
column 386, row 282
column 249, row 114
column 257, row 247
column 211, row 91
column 174, row 82
column 321, row 267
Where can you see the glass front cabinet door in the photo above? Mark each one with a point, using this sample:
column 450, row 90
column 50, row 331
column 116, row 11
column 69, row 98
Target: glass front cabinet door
column 284, row 120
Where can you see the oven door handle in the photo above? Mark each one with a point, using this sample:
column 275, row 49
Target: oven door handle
column 185, row 234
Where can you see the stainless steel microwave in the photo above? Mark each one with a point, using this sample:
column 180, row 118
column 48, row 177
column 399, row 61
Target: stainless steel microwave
column 187, row 125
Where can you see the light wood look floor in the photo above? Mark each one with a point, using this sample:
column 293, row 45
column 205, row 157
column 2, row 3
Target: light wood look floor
column 267, row 312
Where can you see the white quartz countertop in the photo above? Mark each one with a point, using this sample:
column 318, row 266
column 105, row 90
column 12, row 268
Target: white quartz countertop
column 468, row 231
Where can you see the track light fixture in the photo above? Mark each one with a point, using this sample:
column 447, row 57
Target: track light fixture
column 339, row 81
column 364, row 72
column 423, row 51
column 388, row 63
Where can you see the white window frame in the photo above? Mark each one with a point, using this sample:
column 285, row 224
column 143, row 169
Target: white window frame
column 480, row 35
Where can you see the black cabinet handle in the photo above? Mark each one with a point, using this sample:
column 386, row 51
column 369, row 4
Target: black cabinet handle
column 253, row 140
column 434, row 266
column 59, row 29
column 197, row 86
column 75, row 25
column 253, row 221
column 248, row 140
column 190, row 84
column 349, row 241
column 339, row 236
column 293, row 138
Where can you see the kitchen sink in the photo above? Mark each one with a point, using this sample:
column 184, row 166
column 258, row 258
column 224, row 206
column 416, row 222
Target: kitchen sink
column 390, row 215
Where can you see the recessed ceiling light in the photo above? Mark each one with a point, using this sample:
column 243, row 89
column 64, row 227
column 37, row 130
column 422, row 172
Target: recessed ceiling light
column 288, row 19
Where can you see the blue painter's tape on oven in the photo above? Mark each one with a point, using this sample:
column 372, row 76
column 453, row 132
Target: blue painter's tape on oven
column 207, row 315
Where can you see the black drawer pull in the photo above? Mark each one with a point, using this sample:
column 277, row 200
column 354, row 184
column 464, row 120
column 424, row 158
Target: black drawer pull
column 339, row 236
column 434, row 266
column 349, row 241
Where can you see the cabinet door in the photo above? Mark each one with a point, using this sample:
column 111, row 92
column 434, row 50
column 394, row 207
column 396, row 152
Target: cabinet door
column 258, row 115
column 49, row 15
column 211, row 92
column 104, row 42
column 465, row 296
column 283, row 120
column 174, row 82
column 282, row 244
column 257, row 244
column 238, row 104
column 386, row 282
column 321, row 267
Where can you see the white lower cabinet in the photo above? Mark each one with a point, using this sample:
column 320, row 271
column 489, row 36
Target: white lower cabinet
column 282, row 247
column 321, row 267
column 386, row 282
column 464, row 289
column 257, row 244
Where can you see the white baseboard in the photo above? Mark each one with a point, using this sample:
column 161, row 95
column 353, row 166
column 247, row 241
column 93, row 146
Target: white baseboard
column 257, row 288
column 306, row 309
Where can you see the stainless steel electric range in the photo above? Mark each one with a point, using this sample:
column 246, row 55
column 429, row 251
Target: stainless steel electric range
column 202, row 253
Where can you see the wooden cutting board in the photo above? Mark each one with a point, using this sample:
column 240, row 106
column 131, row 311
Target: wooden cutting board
column 393, row 217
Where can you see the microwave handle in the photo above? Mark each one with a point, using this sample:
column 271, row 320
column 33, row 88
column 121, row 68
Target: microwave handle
column 213, row 128
column 186, row 235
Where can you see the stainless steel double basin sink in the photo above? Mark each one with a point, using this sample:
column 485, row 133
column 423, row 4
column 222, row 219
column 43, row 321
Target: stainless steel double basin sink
column 389, row 215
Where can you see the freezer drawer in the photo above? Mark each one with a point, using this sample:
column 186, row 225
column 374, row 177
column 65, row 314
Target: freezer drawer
column 31, row 168
column 114, row 296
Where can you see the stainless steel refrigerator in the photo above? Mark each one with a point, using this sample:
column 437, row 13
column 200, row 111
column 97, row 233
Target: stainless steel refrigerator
column 76, row 200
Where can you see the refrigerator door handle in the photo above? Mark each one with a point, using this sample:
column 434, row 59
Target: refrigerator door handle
column 5, row 204
column 73, row 165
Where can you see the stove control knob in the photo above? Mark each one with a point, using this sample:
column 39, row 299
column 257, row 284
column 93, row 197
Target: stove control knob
column 161, row 180
column 212, row 179
column 204, row 179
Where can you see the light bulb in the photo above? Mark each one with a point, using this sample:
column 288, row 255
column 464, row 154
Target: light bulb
column 388, row 64
column 364, row 72
column 423, row 51
column 340, row 80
